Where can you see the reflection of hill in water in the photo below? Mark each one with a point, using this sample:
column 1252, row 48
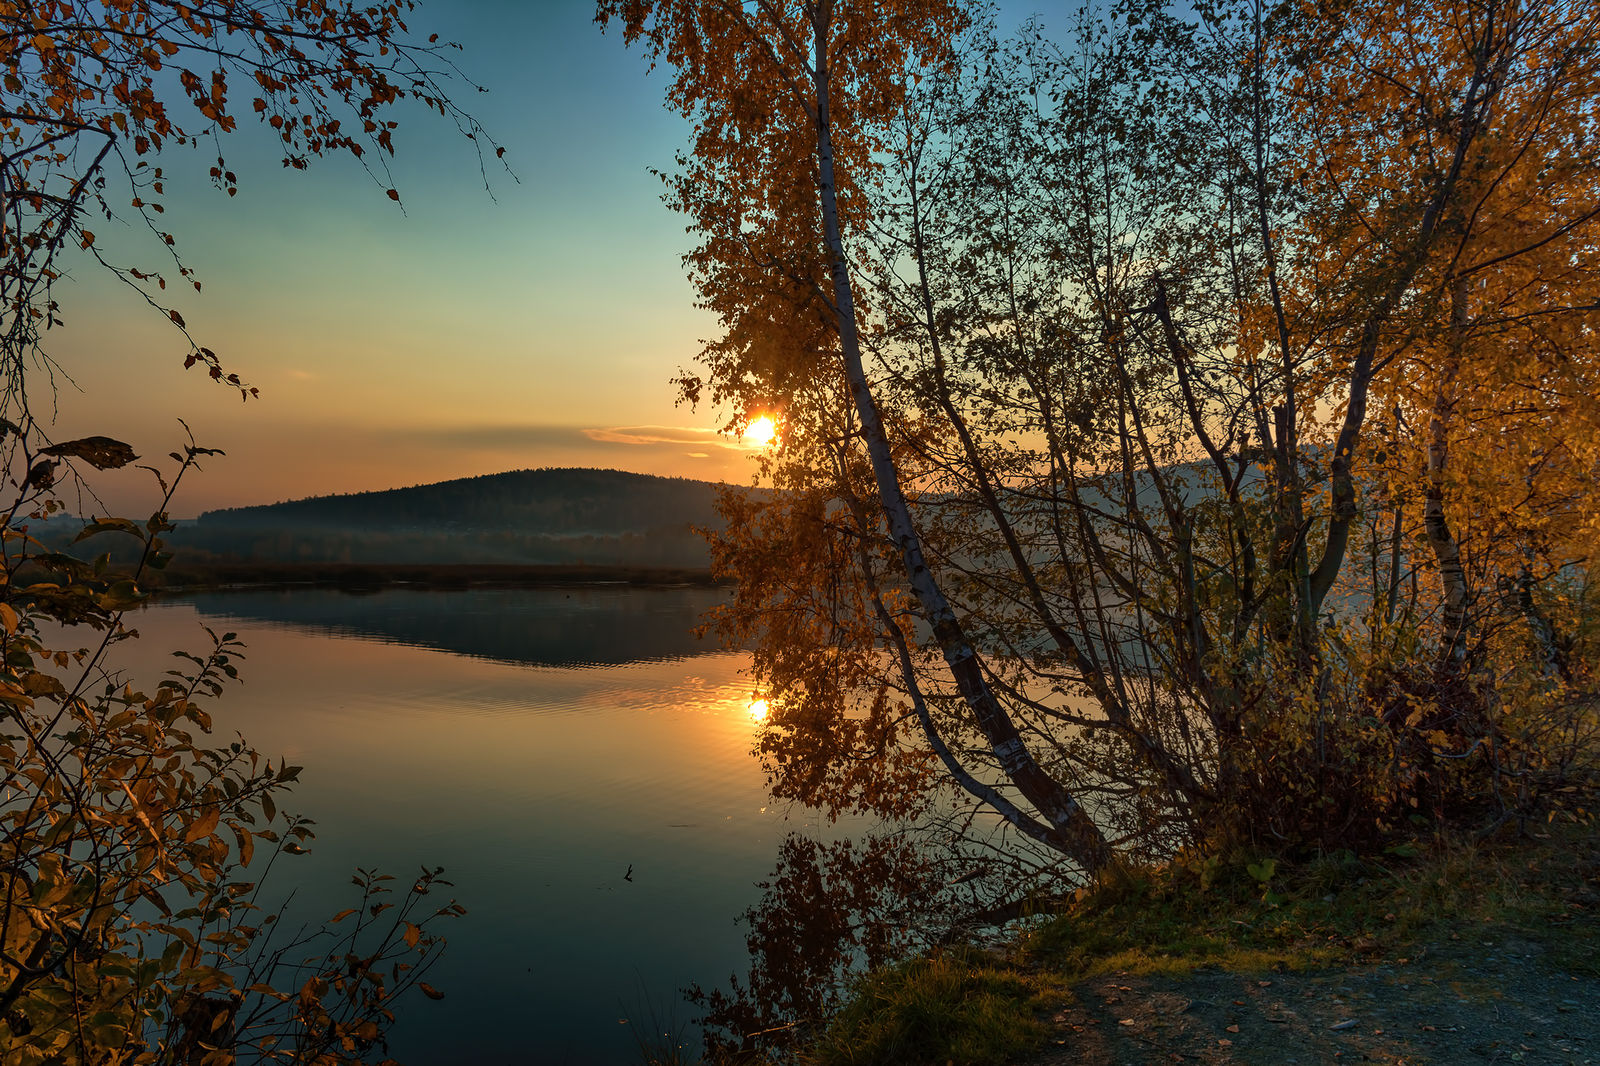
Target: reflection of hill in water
column 537, row 627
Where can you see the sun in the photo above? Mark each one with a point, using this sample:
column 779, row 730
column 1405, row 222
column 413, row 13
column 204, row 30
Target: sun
column 758, row 710
column 761, row 431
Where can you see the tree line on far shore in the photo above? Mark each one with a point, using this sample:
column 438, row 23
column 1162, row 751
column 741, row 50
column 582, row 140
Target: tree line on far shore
column 548, row 517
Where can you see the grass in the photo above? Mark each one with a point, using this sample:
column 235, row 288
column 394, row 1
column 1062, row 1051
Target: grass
column 1250, row 914
column 1330, row 910
column 955, row 1006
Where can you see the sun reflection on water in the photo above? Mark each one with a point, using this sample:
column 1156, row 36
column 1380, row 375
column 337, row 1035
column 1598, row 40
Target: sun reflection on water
column 758, row 710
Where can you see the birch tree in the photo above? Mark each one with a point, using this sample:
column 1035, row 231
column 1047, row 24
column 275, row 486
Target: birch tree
column 791, row 103
column 1102, row 360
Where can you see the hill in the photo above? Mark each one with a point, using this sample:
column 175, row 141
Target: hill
column 521, row 517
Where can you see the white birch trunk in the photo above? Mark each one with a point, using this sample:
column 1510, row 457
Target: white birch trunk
column 1076, row 834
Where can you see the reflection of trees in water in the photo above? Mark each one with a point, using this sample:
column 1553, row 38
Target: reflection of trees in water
column 827, row 909
column 832, row 910
column 592, row 626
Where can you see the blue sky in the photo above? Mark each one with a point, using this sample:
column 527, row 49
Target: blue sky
column 468, row 331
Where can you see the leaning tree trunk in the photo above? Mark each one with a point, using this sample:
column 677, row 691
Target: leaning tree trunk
column 1076, row 835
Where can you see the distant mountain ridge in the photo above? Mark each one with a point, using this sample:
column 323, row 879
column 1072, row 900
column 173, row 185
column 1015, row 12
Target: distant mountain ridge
column 545, row 516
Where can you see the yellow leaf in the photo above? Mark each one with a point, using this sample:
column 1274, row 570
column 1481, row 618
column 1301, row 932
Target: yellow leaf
column 203, row 826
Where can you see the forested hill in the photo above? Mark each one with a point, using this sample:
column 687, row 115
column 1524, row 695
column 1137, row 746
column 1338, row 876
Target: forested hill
column 551, row 501
column 552, row 516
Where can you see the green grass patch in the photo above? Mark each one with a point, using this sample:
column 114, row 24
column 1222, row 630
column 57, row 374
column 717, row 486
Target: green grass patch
column 955, row 1006
column 1255, row 912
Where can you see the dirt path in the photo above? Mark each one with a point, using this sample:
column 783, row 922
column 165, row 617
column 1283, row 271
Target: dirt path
column 1460, row 1003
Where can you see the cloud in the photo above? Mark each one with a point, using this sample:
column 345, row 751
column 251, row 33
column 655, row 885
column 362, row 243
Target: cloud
column 505, row 437
column 513, row 437
column 705, row 438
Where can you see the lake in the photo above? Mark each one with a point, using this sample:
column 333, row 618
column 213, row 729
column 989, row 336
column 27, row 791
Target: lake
column 537, row 744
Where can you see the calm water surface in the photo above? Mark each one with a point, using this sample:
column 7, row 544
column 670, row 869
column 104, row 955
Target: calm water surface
column 536, row 744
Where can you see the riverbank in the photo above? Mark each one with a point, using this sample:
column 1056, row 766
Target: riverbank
column 1468, row 953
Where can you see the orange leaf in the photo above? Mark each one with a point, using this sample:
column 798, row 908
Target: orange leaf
column 203, row 826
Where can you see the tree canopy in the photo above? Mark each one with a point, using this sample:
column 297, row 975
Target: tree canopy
column 1185, row 414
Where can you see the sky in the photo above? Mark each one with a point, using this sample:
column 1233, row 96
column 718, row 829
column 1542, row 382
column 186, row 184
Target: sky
column 464, row 331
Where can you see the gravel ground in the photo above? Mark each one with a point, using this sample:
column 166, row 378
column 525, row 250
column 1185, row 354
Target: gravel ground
column 1467, row 1001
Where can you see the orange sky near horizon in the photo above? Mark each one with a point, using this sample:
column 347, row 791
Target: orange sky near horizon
column 466, row 331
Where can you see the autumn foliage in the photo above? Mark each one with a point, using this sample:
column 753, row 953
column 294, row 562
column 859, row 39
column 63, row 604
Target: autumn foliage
column 134, row 923
column 1187, row 415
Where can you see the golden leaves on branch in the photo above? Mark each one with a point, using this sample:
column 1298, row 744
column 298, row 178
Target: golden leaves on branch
column 1404, row 198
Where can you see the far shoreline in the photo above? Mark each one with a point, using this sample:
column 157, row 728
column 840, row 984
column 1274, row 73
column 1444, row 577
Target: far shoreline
column 183, row 578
